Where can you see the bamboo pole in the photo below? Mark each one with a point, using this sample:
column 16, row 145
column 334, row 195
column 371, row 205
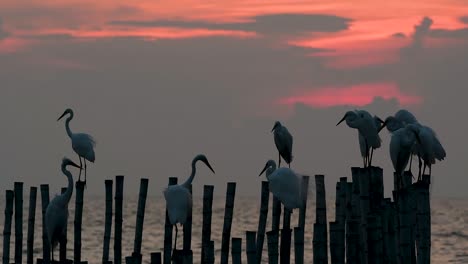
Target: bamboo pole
column 352, row 241
column 108, row 221
column 209, row 253
column 320, row 240
column 118, row 219
column 78, row 220
column 341, row 219
column 404, row 226
column 207, row 211
column 272, row 237
column 424, row 221
column 228, row 213
column 388, row 233
column 276, row 214
column 285, row 246
column 9, row 199
column 45, row 241
column 156, row 258
column 364, row 181
column 334, row 247
column 356, row 209
column 31, row 221
column 63, row 242
column 18, row 222
column 264, row 201
column 376, row 191
column 251, row 247
column 298, row 245
column 168, row 231
column 374, row 241
column 187, row 238
column 236, row 250
column 140, row 218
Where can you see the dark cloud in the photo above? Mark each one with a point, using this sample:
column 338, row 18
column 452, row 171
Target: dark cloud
column 399, row 35
column 268, row 24
column 464, row 19
column 3, row 32
column 446, row 33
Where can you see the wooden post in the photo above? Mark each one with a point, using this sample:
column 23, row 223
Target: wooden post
column 187, row 238
column 108, row 221
column 334, row 248
column 364, row 181
column 18, row 222
column 356, row 208
column 341, row 218
column 405, row 225
column 156, row 258
column 236, row 250
column 250, row 247
column 299, row 234
column 31, row 221
column 388, row 233
column 272, row 237
column 140, row 218
column 63, row 243
column 276, row 214
column 168, row 231
column 374, row 241
column 9, row 199
column 352, row 241
column 285, row 246
column 264, row 201
column 45, row 240
column 118, row 219
column 209, row 253
column 298, row 245
column 376, row 190
column 424, row 220
column 228, row 213
column 320, row 240
column 207, row 211
column 78, row 220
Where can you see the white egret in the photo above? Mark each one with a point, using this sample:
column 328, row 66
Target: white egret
column 283, row 142
column 362, row 140
column 83, row 144
column 368, row 129
column 179, row 199
column 284, row 184
column 56, row 215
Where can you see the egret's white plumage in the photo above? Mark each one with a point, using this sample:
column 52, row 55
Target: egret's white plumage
column 179, row 199
column 56, row 215
column 401, row 145
column 83, row 144
column 285, row 185
column 367, row 128
column 283, row 142
column 362, row 140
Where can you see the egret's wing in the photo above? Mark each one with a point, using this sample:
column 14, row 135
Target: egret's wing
column 427, row 142
column 178, row 203
column 283, row 142
column 438, row 149
column 362, row 144
column 395, row 148
column 285, row 185
column 405, row 117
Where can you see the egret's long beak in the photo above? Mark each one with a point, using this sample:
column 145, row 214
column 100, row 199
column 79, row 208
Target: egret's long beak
column 64, row 113
column 264, row 169
column 209, row 166
column 383, row 125
column 274, row 127
column 74, row 165
column 380, row 120
column 342, row 119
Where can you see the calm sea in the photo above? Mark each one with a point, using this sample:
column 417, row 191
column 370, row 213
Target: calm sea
column 449, row 227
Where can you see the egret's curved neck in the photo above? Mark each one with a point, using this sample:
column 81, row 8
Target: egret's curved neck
column 192, row 175
column 270, row 170
column 68, row 193
column 67, row 125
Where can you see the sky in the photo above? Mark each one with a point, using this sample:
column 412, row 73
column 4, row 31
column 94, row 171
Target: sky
column 158, row 82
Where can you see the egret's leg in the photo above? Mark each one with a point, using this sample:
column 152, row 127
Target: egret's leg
column 371, row 154
column 430, row 169
column 289, row 165
column 279, row 160
column 81, row 168
column 52, row 253
column 420, row 165
column 424, row 170
column 367, row 154
column 84, row 170
column 410, row 162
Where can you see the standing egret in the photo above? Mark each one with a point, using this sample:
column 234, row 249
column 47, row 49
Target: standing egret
column 368, row 130
column 179, row 199
column 362, row 140
column 285, row 185
column 283, row 142
column 83, row 144
column 56, row 215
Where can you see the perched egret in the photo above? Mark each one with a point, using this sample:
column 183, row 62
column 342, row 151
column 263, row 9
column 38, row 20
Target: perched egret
column 56, row 215
column 83, row 144
column 368, row 130
column 285, row 185
column 283, row 142
column 179, row 199
column 362, row 140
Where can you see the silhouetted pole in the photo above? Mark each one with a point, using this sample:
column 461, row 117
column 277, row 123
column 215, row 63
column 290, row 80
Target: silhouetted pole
column 364, row 181
column 108, row 221
column 299, row 231
column 156, row 258
column 352, row 235
column 9, row 199
column 276, row 214
column 209, row 253
column 78, row 220
column 118, row 220
column 320, row 240
column 272, row 237
column 374, row 241
column 298, row 245
column 140, row 219
column 228, row 213
column 207, row 211
column 63, row 242
column 405, row 225
column 31, row 221
column 264, row 201
column 285, row 246
column 18, row 222
column 236, row 250
column 251, row 249
column 424, row 220
column 334, row 247
column 187, row 239
column 168, row 231
column 45, row 241
column 340, row 215
column 388, row 233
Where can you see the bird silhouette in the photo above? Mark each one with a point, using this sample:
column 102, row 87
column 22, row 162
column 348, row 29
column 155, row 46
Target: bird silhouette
column 283, row 142
column 179, row 199
column 82, row 143
column 56, row 215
